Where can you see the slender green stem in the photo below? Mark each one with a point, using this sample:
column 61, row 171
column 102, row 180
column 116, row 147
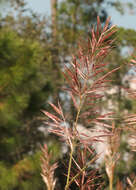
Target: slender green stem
column 69, row 169
column 73, row 143
column 78, row 113
column 111, row 182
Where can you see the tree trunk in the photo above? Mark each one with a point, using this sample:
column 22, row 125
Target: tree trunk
column 54, row 17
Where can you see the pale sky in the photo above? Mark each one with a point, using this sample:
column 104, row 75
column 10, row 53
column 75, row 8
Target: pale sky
column 127, row 20
column 40, row 6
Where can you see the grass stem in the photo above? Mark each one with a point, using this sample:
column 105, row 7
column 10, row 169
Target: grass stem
column 69, row 169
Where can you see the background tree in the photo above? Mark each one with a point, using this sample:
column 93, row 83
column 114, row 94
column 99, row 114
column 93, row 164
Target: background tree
column 54, row 4
column 27, row 81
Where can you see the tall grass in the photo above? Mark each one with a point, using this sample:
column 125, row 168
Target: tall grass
column 87, row 78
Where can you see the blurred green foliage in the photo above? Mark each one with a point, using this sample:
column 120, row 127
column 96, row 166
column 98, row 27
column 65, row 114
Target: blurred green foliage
column 24, row 76
column 27, row 80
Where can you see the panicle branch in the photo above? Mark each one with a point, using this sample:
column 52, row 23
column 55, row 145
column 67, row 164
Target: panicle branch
column 112, row 154
column 47, row 169
column 130, row 119
column 81, row 173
